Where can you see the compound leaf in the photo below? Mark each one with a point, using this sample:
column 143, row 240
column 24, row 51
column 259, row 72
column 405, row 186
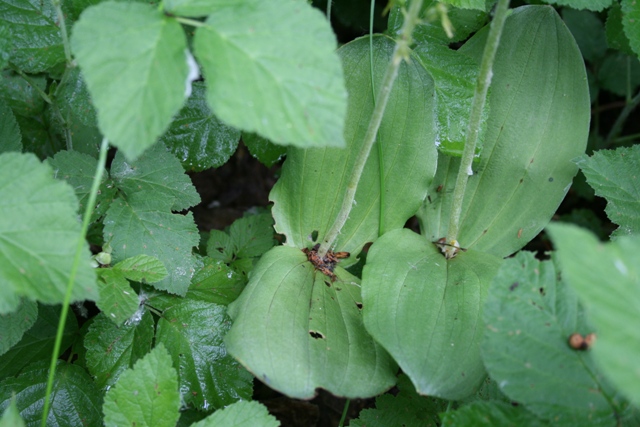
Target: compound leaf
column 13, row 325
column 240, row 414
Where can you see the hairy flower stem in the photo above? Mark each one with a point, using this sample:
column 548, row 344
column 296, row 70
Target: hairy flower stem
column 400, row 53
column 479, row 100
column 93, row 195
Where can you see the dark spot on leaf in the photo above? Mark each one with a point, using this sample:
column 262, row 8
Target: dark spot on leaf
column 521, row 180
column 316, row 335
column 327, row 283
column 429, row 198
column 542, row 292
column 338, row 289
column 359, row 305
column 513, row 286
column 314, row 235
column 551, row 179
column 485, row 231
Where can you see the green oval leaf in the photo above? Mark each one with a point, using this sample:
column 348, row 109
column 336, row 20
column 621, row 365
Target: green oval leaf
column 240, row 414
column 538, row 122
column 426, row 311
column 134, row 60
column 310, row 191
column 271, row 68
column 296, row 330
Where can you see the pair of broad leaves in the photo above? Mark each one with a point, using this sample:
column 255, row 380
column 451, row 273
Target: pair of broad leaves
column 297, row 330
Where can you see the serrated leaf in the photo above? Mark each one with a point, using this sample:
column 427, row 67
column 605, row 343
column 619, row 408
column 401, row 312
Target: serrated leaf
column 220, row 246
column 588, row 31
column 271, row 68
column 630, row 17
column 216, row 282
column 134, row 61
column 197, row 137
column 530, row 317
column 117, row 300
column 534, row 130
column 594, row 5
column 78, row 170
column 72, row 97
column 36, row 39
column 13, row 325
column 613, row 174
column 11, row 416
column 37, row 137
column 252, row 235
column 143, row 224
column 37, row 342
column 75, row 399
column 605, row 277
column 112, row 349
column 295, row 330
column 616, row 38
column 146, row 395
column 9, row 130
column 426, row 311
column 313, row 183
column 20, row 95
column 142, row 268
column 5, row 46
column 208, row 376
column 468, row 4
column 262, row 149
column 39, row 233
column 240, row 414
column 156, row 172
column 406, row 408
column 491, row 414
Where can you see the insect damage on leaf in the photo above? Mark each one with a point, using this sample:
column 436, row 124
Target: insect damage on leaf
column 327, row 263
column 450, row 249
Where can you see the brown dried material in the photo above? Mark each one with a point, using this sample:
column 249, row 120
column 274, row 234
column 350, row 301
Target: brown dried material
column 327, row 263
column 578, row 342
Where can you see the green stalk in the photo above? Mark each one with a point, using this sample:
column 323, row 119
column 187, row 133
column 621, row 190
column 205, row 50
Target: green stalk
column 344, row 413
column 616, row 129
column 400, row 53
column 102, row 160
column 329, row 2
column 190, row 22
column 479, row 100
column 63, row 31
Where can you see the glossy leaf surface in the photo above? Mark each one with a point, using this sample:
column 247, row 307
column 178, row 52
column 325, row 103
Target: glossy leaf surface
column 13, row 325
column 117, row 300
column 426, row 311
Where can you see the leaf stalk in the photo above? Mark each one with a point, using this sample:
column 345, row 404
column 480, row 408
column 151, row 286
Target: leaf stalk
column 63, row 31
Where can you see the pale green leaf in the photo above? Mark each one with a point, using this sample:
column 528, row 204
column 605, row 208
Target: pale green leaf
column 134, row 60
column 11, row 416
column 142, row 268
column 529, row 318
column 240, row 414
column 208, row 376
column 198, row 138
column 491, row 414
column 9, row 130
column 14, row 325
column 262, row 149
column 36, row 39
column 22, row 97
column 469, row 4
column 146, row 395
column 156, row 172
column 616, row 38
column 426, row 311
column 631, row 23
column 588, row 31
column 538, row 122
column 252, row 235
column 594, row 5
column 271, row 68
column 143, row 224
column 613, row 174
column 296, row 330
column 606, row 278
column 78, row 170
column 117, row 300
column 311, row 189
column 39, row 232
column 111, row 349
column 75, row 399
column 37, row 342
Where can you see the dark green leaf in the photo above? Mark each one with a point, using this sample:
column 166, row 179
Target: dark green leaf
column 252, row 235
column 73, row 98
column 296, row 330
column 262, row 149
column 613, row 174
column 117, row 300
column 112, row 349
column 271, row 68
column 605, row 277
column 588, row 31
column 39, row 233
column 468, row 4
column 491, row 414
column 37, row 343
column 594, row 5
column 75, row 399
column 13, row 325
column 6, row 45
column 146, row 395
column 36, row 39
column 22, row 97
column 619, row 73
column 37, row 137
column 11, row 416
column 9, row 130
column 530, row 317
column 156, row 172
column 134, row 60
column 197, row 137
column 220, row 246
column 143, row 224
column 616, row 38
column 240, row 414
column 208, row 376
column 630, row 17
column 142, row 268
column 215, row 282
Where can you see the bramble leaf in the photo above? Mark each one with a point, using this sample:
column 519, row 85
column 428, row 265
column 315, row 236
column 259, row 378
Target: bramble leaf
column 252, row 235
column 11, row 416
column 262, row 149
column 112, row 349
column 22, row 97
column 193, row 331
column 530, row 317
column 9, row 130
column 588, row 31
column 197, row 137
column 134, row 60
column 117, row 300
column 156, row 172
column 271, row 68
column 73, row 98
column 491, row 414
column 240, row 414
column 146, row 395
column 143, row 224
column 630, row 17
column 613, row 174
column 39, row 233
column 616, row 38
column 142, row 268
column 75, row 399
column 14, row 325
column 594, row 5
